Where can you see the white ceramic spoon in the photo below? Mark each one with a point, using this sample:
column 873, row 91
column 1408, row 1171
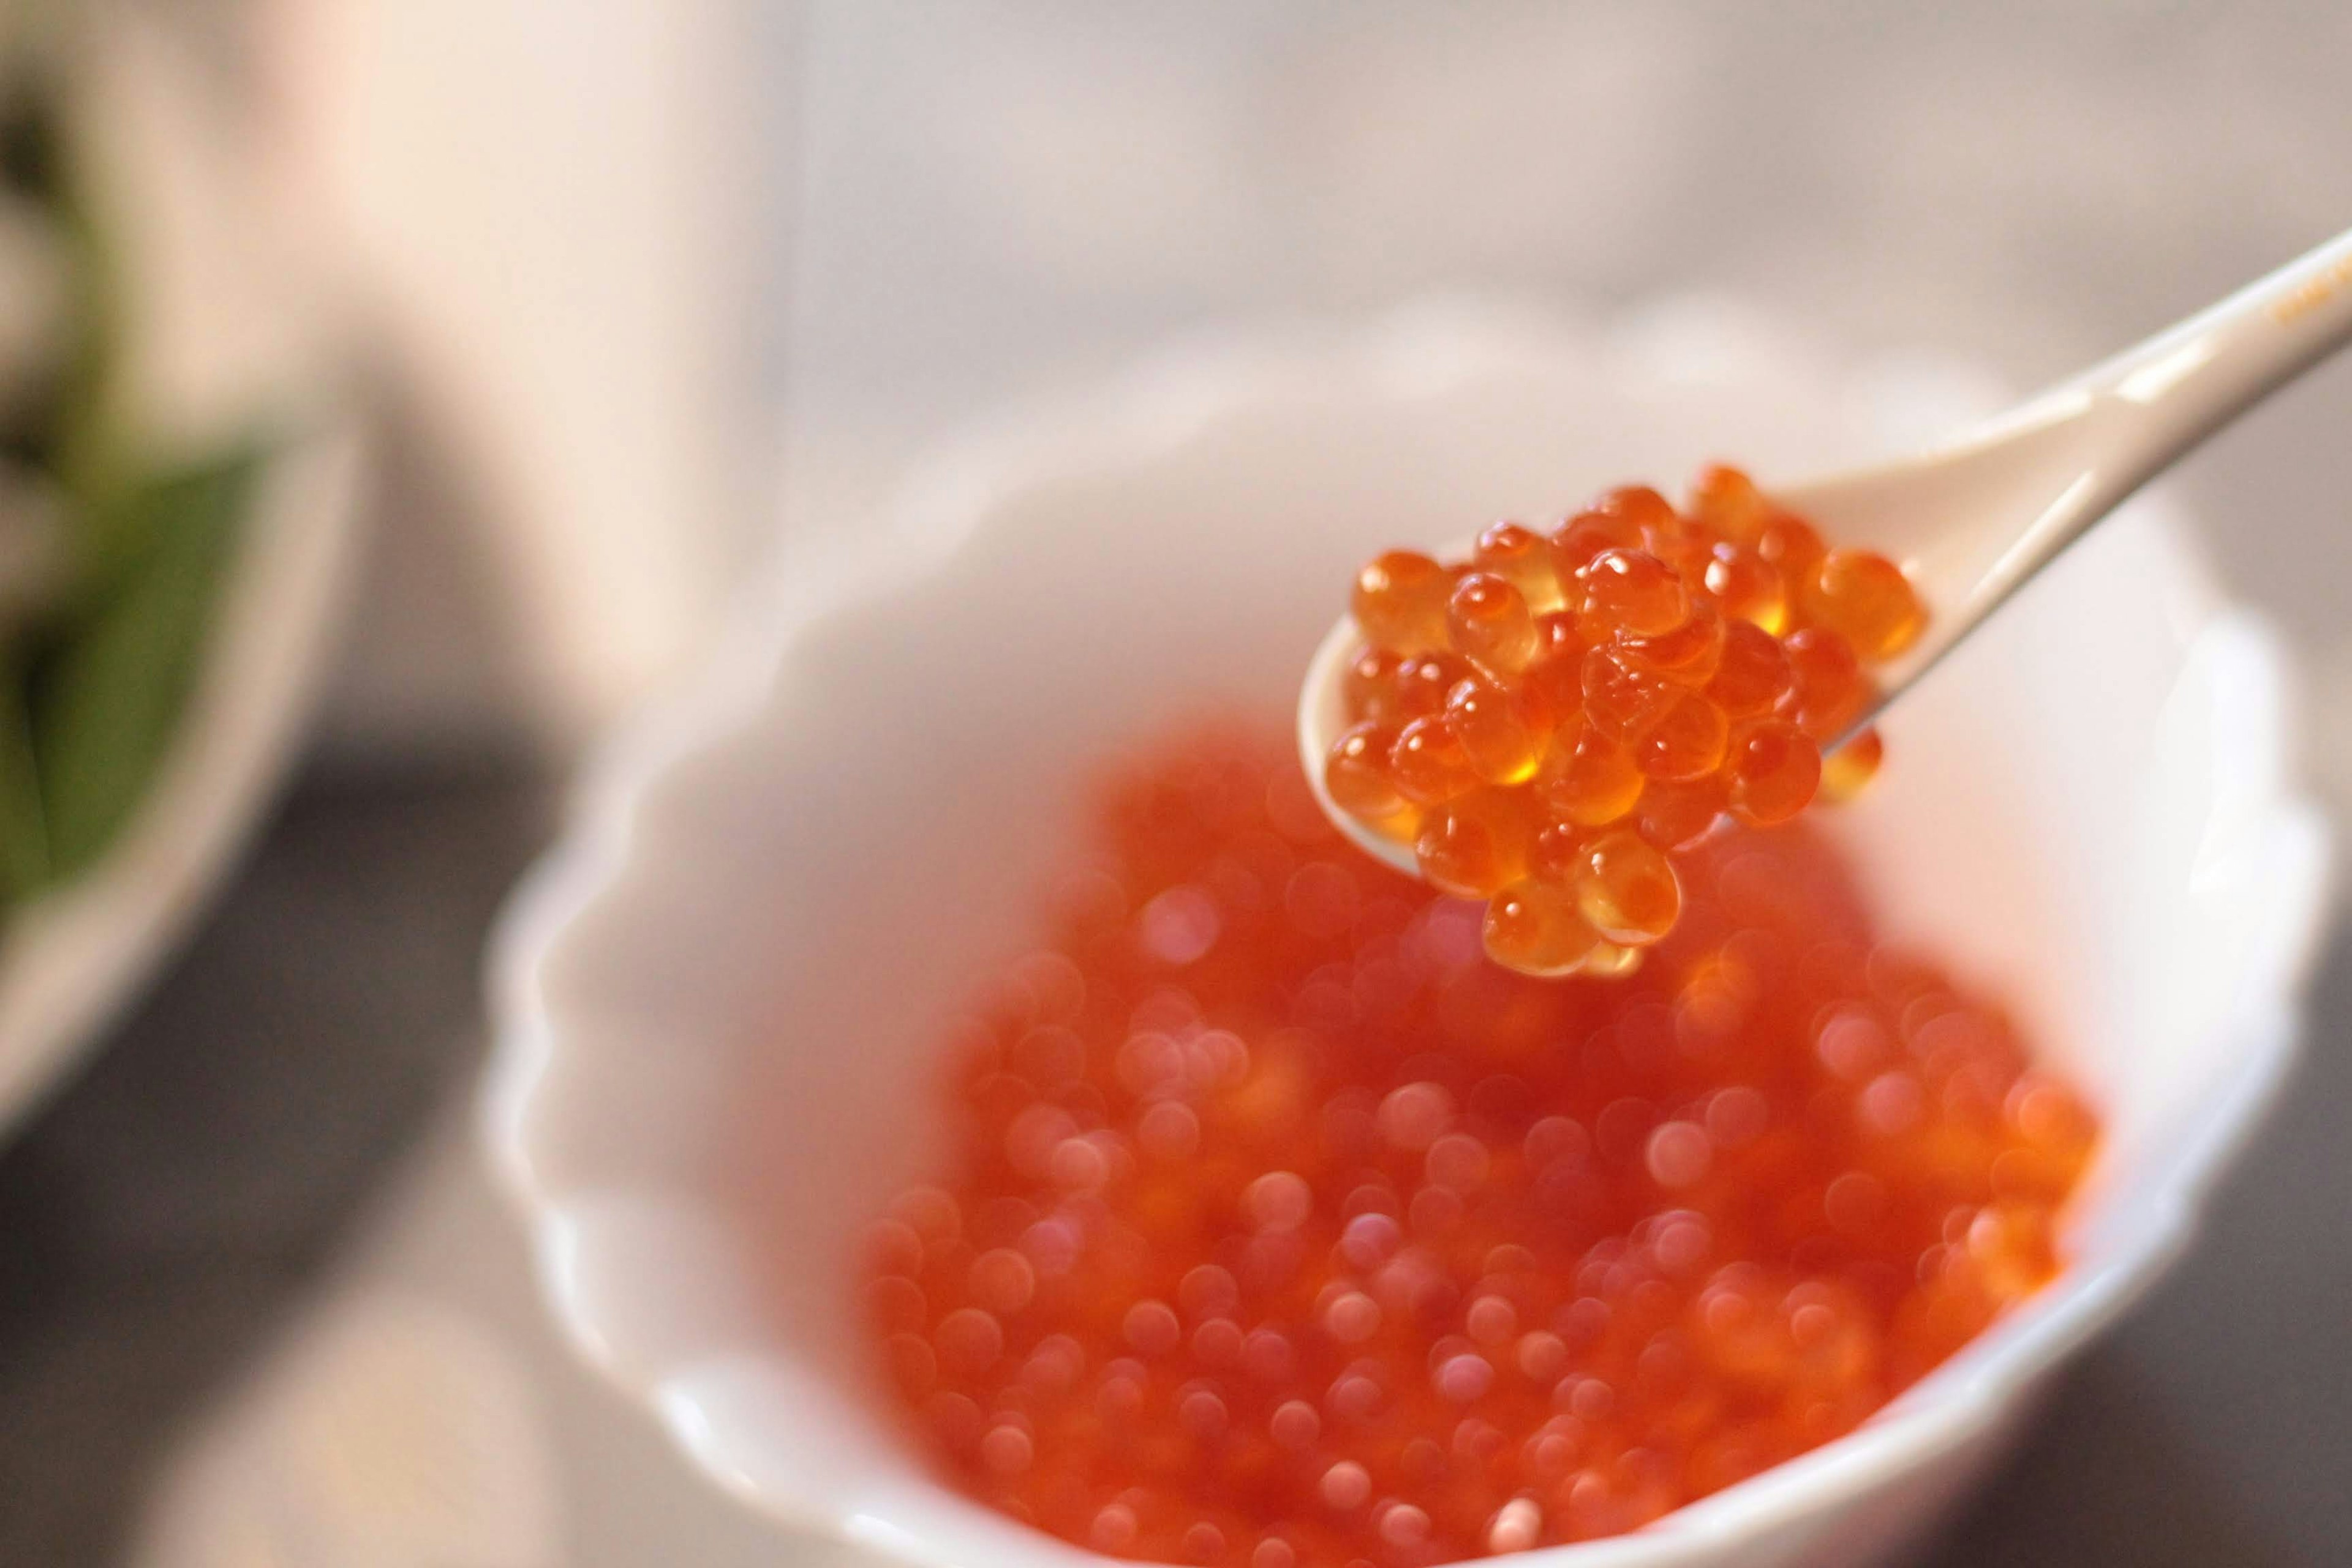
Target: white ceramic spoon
column 1973, row 520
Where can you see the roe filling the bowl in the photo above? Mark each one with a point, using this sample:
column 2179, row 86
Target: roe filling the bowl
column 1278, row 1226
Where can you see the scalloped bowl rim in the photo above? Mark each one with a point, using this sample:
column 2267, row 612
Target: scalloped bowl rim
column 1154, row 408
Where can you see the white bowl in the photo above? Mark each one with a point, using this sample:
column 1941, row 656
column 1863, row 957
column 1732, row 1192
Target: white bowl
column 717, row 1021
column 230, row 336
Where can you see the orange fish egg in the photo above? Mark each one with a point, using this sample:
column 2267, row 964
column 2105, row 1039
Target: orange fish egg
column 1584, row 536
column 1847, row 771
column 1491, row 624
column 1866, row 599
column 1428, row 764
column 1774, row 771
column 1501, row 734
column 1630, row 592
column 1399, row 601
column 1356, row 774
column 1523, row 558
column 1728, row 498
column 1587, row 779
column 1748, row 587
column 1476, row 844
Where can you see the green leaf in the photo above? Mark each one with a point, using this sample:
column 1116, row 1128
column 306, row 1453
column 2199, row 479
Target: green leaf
column 24, row 830
column 107, row 693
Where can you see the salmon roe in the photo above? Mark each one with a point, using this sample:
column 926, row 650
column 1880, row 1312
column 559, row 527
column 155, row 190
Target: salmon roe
column 1280, row 1228
column 1642, row 672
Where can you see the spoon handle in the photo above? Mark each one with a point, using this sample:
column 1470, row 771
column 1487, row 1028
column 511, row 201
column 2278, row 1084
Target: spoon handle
column 1981, row 517
column 2194, row 377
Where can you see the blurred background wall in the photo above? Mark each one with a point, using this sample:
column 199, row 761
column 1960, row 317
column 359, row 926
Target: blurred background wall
column 553, row 212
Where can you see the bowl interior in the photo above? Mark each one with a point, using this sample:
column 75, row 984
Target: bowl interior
column 2072, row 813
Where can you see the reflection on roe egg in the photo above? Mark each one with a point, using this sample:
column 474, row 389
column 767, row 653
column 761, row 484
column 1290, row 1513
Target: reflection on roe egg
column 1280, row 1227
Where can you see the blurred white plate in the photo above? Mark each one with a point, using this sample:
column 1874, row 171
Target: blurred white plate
column 227, row 340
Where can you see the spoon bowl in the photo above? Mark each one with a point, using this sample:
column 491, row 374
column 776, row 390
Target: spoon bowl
column 1973, row 520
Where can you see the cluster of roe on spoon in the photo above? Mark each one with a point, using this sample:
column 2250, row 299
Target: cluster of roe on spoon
column 1277, row 1227
column 1551, row 723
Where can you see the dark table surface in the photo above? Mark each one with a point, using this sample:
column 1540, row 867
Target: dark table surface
column 171, row 1211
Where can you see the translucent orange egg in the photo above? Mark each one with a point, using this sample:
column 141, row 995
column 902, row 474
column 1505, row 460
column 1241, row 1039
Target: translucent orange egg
column 1687, row 656
column 1424, row 681
column 1866, row 599
column 1356, row 774
column 1676, row 815
column 1427, row 763
column 1640, row 505
column 1828, row 689
column 1686, row 545
column 1490, row 623
column 1790, row 547
column 1476, row 844
column 1557, row 856
column 1552, row 686
column 1536, row 928
column 1632, row 592
column 1623, row 703
column 1551, row 691
column 1612, row 961
column 1627, row 889
column 1523, row 558
column 1370, row 687
column 1399, row 601
column 1748, row 587
column 1498, row 735
column 1585, row 536
column 1558, row 636
column 1753, row 675
column 1847, row 771
column 1773, row 772
column 1687, row 743
column 1728, row 501
column 1586, row 778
